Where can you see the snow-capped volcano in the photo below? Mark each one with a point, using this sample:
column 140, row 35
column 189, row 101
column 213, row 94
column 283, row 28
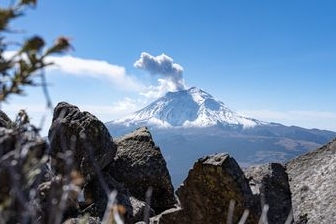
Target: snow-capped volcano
column 187, row 108
column 189, row 124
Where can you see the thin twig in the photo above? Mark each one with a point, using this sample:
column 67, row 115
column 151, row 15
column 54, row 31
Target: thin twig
column 289, row 217
column 230, row 211
column 263, row 216
column 148, row 204
column 244, row 217
column 109, row 207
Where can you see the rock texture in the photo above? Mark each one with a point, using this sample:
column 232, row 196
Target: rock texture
column 139, row 165
column 89, row 220
column 83, row 136
column 269, row 183
column 312, row 180
column 5, row 121
column 53, row 205
column 206, row 193
column 132, row 209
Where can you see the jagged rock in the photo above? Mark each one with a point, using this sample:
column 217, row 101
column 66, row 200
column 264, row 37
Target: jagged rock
column 96, row 192
column 83, row 135
column 5, row 121
column 312, row 181
column 139, row 165
column 269, row 183
column 206, row 193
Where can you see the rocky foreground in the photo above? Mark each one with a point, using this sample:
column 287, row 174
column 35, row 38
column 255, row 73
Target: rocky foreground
column 82, row 175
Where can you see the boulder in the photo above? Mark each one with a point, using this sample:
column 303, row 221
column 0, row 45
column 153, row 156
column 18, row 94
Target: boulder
column 96, row 193
column 206, row 193
column 269, row 183
column 140, row 166
column 312, row 179
column 81, row 137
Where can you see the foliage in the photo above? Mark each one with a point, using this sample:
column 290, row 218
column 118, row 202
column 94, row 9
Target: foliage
column 23, row 153
column 29, row 190
column 22, row 68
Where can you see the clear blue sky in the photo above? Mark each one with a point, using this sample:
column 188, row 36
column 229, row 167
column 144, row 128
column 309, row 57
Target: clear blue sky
column 271, row 60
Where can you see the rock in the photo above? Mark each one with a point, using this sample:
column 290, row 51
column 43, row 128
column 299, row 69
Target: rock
column 89, row 220
column 23, row 155
column 83, row 135
column 8, row 139
column 206, row 193
column 312, row 181
column 4, row 120
column 140, row 165
column 51, row 207
column 270, row 185
column 96, row 191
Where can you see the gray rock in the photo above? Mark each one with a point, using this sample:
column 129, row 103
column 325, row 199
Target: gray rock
column 5, row 121
column 140, row 165
column 86, row 138
column 50, row 197
column 206, row 193
column 89, row 220
column 269, row 183
column 312, row 181
column 96, row 192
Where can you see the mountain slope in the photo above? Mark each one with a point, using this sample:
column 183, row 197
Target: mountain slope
column 187, row 108
column 190, row 124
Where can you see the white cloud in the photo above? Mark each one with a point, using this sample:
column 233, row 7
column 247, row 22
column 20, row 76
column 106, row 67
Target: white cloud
column 163, row 66
column 306, row 119
column 159, row 65
column 102, row 112
column 171, row 73
column 97, row 69
column 100, row 69
column 163, row 87
column 114, row 111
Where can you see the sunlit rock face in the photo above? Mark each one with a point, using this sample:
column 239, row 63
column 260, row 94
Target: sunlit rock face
column 140, row 166
column 312, row 181
column 81, row 137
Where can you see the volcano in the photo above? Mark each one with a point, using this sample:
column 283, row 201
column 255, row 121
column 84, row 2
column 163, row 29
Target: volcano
column 189, row 124
column 187, row 108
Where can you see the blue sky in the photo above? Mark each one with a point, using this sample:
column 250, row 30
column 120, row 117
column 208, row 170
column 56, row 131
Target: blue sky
column 271, row 60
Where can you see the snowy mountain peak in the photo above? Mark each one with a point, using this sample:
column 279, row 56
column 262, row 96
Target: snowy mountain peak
column 187, row 108
column 198, row 95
